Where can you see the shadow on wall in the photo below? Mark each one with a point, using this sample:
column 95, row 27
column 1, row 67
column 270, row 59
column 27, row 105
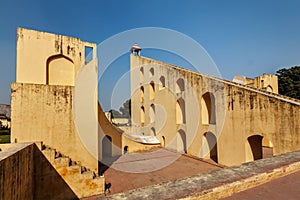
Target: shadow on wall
column 31, row 176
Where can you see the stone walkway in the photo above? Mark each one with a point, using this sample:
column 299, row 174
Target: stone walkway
column 135, row 170
column 287, row 188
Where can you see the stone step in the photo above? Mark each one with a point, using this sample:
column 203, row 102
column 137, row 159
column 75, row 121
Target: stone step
column 88, row 175
column 62, row 162
column 74, row 169
column 49, row 154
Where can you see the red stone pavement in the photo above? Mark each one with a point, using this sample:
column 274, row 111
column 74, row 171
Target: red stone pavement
column 158, row 165
column 284, row 188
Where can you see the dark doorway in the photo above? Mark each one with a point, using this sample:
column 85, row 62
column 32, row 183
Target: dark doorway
column 212, row 145
column 125, row 149
column 106, row 147
column 255, row 143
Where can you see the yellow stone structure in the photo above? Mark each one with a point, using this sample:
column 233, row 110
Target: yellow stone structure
column 209, row 117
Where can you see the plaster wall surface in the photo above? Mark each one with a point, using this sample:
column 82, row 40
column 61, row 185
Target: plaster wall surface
column 46, row 58
column 45, row 113
column 230, row 115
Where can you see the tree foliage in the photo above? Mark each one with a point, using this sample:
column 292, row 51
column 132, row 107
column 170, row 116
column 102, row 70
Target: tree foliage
column 115, row 114
column 289, row 82
column 126, row 109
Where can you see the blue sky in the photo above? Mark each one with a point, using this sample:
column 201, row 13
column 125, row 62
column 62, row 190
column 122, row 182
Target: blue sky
column 242, row 37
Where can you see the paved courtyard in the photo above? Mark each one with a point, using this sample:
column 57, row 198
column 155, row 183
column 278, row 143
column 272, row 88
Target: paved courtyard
column 135, row 170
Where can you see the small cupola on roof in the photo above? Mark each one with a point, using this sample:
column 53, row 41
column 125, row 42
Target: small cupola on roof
column 136, row 49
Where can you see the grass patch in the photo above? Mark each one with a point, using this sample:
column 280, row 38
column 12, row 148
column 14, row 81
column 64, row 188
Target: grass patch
column 4, row 139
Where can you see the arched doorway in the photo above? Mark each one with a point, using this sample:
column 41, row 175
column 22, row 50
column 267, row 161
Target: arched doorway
column 106, row 147
column 210, row 143
column 126, row 149
column 255, row 143
column 181, row 141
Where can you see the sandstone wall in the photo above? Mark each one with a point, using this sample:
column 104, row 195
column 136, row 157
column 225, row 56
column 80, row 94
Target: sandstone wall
column 45, row 113
column 26, row 174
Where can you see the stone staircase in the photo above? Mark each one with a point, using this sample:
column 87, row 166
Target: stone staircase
column 81, row 180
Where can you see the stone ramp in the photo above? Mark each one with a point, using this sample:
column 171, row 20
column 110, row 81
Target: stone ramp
column 83, row 181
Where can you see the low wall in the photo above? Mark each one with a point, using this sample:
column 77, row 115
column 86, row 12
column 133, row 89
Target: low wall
column 219, row 183
column 25, row 173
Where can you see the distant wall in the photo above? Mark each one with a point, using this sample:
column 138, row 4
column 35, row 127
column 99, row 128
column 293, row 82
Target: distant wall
column 44, row 113
column 26, row 174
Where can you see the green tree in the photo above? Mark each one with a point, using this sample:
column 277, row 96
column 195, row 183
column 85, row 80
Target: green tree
column 115, row 113
column 126, row 109
column 289, row 82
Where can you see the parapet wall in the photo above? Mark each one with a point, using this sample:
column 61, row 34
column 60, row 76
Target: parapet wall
column 26, row 174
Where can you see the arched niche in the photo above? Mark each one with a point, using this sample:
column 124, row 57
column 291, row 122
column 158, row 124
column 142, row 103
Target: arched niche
column 60, row 70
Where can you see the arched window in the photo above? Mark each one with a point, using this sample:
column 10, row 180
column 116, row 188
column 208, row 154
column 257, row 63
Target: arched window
column 152, row 113
column 208, row 115
column 180, row 111
column 179, row 85
column 142, row 94
column 162, row 82
column 269, row 88
column 141, row 75
column 142, row 116
column 60, row 70
column 151, row 90
column 151, row 72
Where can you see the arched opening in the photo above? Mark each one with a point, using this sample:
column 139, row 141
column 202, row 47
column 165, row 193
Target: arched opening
column 181, row 142
column 153, row 133
column 211, row 144
column 180, row 111
column 60, row 70
column 162, row 82
column 208, row 115
column 141, row 75
column 125, row 149
column 151, row 91
column 152, row 113
column 106, row 147
column 179, row 85
column 255, row 144
column 269, row 88
column 142, row 116
column 142, row 94
column 163, row 141
column 151, row 72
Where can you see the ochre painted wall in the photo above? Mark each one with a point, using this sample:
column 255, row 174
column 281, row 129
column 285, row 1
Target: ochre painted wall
column 239, row 112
